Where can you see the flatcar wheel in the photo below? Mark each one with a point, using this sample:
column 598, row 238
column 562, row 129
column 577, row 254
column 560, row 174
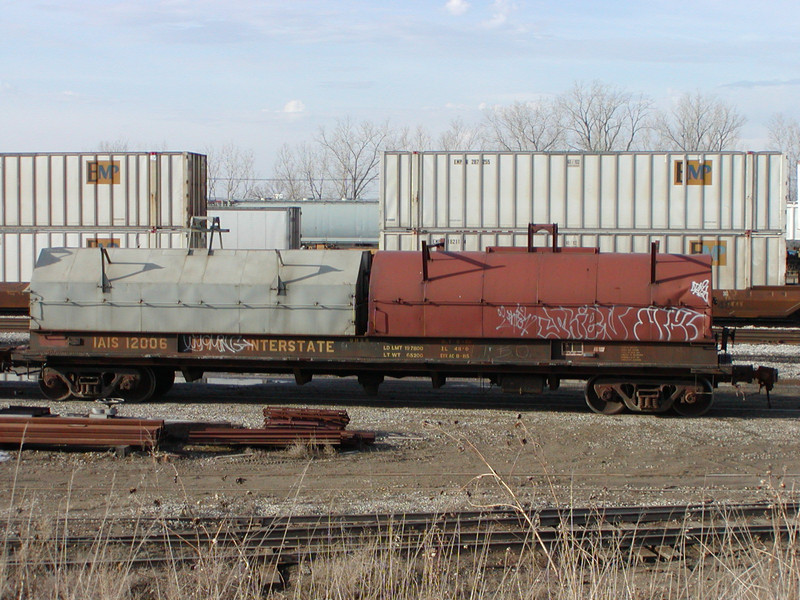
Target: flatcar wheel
column 53, row 386
column 695, row 402
column 605, row 403
column 165, row 378
column 140, row 388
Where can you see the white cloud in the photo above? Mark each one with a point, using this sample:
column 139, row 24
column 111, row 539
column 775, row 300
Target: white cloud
column 501, row 9
column 457, row 7
column 294, row 107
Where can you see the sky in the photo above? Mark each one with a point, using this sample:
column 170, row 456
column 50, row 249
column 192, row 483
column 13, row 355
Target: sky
column 188, row 75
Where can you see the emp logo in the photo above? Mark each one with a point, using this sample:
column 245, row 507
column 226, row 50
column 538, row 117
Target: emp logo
column 102, row 171
column 718, row 251
column 693, row 172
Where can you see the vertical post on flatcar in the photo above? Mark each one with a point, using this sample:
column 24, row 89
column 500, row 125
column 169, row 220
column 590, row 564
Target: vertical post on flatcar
column 653, row 260
column 105, row 283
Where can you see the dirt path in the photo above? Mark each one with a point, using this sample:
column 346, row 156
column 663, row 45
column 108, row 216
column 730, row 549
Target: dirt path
column 547, row 450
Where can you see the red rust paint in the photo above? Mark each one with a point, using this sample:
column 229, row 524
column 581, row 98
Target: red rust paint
column 14, row 297
column 764, row 302
column 604, row 297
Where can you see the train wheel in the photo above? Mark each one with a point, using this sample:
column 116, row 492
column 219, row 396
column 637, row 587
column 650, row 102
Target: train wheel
column 602, row 398
column 53, row 385
column 165, row 378
column 695, row 401
column 138, row 388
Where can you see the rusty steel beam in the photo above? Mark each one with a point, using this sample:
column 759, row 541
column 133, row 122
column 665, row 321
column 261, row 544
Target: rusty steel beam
column 277, row 416
column 283, row 427
column 52, row 430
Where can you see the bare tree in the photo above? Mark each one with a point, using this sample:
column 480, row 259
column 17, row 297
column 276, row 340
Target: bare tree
column 460, row 136
column 302, row 172
column 354, row 154
column 111, row 146
column 417, row 140
column 600, row 118
column 212, row 171
column 263, row 189
column 784, row 135
column 230, row 172
column 526, row 126
column 287, row 174
column 699, row 123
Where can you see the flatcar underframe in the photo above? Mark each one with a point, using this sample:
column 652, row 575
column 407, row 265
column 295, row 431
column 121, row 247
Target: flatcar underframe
column 642, row 377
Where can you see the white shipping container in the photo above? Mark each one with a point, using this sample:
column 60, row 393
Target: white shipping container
column 130, row 199
column 19, row 251
column 731, row 205
column 792, row 222
column 259, row 228
column 341, row 223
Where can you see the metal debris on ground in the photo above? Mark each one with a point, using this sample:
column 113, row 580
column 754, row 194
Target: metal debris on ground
column 284, row 427
column 37, row 426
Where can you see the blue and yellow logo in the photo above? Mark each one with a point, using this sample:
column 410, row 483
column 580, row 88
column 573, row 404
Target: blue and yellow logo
column 693, row 172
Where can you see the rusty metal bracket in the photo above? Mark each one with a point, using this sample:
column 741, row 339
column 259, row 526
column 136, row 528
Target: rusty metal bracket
column 552, row 228
column 426, row 256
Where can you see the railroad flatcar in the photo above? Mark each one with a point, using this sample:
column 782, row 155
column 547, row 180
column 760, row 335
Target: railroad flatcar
column 635, row 327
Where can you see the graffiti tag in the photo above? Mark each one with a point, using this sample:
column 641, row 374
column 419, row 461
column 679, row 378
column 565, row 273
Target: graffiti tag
column 700, row 290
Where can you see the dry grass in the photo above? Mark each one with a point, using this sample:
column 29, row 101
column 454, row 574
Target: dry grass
column 748, row 569
column 305, row 449
column 731, row 569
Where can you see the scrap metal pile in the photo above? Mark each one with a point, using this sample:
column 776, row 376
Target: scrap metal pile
column 36, row 426
column 284, row 427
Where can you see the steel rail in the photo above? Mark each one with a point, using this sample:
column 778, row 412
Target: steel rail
column 452, row 543
column 14, row 323
column 341, row 529
column 637, row 513
column 763, row 335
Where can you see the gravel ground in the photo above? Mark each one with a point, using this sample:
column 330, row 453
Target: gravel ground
column 785, row 358
column 463, row 446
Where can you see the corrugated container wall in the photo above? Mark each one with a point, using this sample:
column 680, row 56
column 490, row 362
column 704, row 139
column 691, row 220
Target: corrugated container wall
column 792, row 222
column 731, row 205
column 259, row 228
column 126, row 200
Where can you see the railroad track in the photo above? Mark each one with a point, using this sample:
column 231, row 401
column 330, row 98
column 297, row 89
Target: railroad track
column 284, row 541
column 14, row 323
column 764, row 335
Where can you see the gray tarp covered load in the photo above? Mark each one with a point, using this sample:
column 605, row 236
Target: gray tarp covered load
column 291, row 292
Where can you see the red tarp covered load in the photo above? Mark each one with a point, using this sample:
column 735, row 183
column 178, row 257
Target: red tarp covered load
column 541, row 295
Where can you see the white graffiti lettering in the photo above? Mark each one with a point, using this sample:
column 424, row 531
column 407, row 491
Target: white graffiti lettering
column 679, row 324
column 518, row 319
column 701, row 290
column 604, row 323
column 219, row 343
